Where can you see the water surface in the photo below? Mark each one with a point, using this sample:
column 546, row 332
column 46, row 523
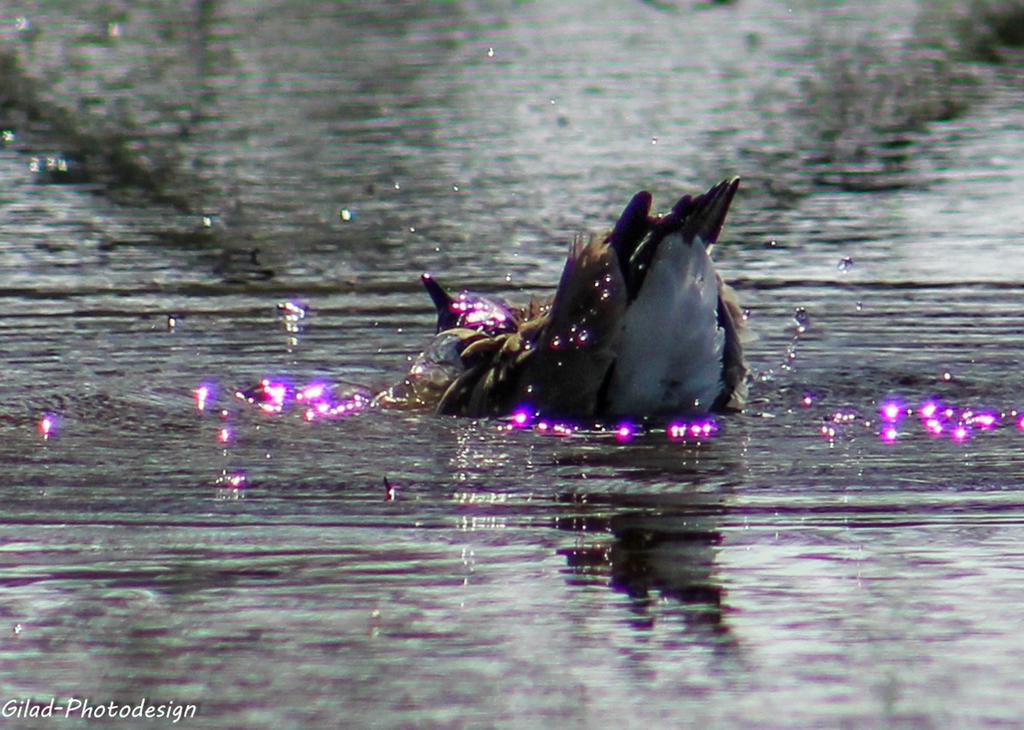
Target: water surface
column 794, row 570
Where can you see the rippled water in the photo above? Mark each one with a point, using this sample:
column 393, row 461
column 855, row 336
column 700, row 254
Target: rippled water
column 794, row 570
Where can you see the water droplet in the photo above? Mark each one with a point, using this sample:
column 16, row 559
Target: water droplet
column 860, row 306
column 845, row 263
column 16, row 629
column 947, row 376
column 771, row 243
column 455, row 188
column 802, row 319
column 6, row 136
column 398, row 186
column 490, row 53
column 654, row 140
column 345, row 214
column 231, row 480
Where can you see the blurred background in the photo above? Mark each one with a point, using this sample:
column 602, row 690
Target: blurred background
column 204, row 194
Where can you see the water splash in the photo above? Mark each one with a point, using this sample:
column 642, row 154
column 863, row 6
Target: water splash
column 234, row 480
column 801, row 319
column 269, row 395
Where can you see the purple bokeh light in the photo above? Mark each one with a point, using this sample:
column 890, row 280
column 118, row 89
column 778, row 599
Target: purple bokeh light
column 624, row 431
column 202, row 395
column 680, row 430
column 311, row 392
column 521, row 418
column 233, row 480
column 891, row 411
column 47, row 425
column 475, row 311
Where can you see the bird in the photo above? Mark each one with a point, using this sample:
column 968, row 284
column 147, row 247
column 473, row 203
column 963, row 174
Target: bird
column 641, row 325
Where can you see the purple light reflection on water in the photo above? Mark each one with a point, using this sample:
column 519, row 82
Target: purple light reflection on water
column 891, row 411
column 202, row 395
column 47, row 424
column 682, row 430
column 311, row 392
column 232, row 480
column 520, row 418
column 276, row 394
column 269, row 395
column 985, row 421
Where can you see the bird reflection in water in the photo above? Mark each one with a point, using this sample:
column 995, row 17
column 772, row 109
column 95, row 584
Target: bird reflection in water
column 659, row 558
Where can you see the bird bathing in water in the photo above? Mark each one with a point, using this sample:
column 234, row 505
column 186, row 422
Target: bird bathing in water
column 641, row 325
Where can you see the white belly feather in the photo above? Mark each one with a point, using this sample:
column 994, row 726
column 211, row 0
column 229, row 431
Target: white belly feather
column 671, row 351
